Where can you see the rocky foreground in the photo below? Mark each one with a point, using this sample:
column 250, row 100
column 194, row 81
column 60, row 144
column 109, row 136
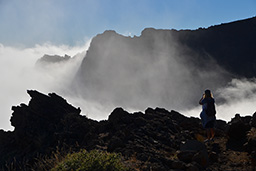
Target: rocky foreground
column 154, row 140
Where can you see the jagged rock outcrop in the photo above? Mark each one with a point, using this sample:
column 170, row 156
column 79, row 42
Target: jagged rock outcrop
column 237, row 131
column 49, row 121
column 156, row 139
column 40, row 126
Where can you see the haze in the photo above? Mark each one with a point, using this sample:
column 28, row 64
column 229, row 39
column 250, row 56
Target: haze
column 29, row 29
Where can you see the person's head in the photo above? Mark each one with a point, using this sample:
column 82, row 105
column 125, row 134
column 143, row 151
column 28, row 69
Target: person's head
column 208, row 93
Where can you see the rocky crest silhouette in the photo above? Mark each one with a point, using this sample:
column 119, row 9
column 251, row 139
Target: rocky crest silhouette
column 156, row 139
column 166, row 64
column 52, row 59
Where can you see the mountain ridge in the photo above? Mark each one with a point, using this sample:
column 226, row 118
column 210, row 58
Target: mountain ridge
column 165, row 64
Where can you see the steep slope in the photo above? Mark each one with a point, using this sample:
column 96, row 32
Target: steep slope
column 128, row 72
column 232, row 45
column 167, row 64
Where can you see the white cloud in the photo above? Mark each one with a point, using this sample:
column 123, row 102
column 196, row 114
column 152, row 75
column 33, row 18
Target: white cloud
column 237, row 97
column 18, row 74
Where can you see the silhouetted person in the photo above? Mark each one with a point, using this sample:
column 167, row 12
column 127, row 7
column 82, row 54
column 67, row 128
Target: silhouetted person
column 208, row 114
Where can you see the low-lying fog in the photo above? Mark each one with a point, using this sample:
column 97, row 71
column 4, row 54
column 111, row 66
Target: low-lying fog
column 19, row 73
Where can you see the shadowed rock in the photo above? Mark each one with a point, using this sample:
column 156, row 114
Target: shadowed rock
column 152, row 137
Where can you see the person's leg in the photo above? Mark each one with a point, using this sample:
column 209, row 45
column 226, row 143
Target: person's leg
column 208, row 132
column 212, row 132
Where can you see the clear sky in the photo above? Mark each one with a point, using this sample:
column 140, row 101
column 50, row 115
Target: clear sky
column 30, row 22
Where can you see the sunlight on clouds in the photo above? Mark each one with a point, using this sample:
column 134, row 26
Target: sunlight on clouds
column 238, row 97
column 19, row 74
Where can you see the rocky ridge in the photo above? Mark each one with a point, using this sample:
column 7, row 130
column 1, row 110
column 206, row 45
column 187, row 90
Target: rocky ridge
column 51, row 59
column 165, row 64
column 154, row 140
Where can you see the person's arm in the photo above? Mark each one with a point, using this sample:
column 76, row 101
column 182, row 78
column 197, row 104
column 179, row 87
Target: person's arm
column 200, row 101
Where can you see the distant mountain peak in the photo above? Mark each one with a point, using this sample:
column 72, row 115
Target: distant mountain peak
column 50, row 59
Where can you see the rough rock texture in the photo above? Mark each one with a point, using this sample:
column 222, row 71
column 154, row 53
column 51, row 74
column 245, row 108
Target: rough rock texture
column 237, row 132
column 154, row 140
column 40, row 126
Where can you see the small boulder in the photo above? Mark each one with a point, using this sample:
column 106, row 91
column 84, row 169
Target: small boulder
column 199, row 150
column 186, row 156
column 237, row 133
column 193, row 145
column 201, row 158
column 237, row 128
column 213, row 156
column 179, row 165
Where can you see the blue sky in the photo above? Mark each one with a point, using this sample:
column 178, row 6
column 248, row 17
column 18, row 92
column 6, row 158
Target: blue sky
column 72, row 22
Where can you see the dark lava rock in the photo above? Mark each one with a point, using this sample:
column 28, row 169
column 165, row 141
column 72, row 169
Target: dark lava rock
column 186, row 156
column 213, row 156
column 253, row 120
column 196, row 151
column 193, row 145
column 178, row 165
column 150, row 139
column 237, row 131
column 49, row 121
column 46, row 122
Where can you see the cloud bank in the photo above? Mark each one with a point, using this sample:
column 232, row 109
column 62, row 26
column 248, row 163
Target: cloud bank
column 148, row 71
column 119, row 71
column 18, row 74
column 237, row 97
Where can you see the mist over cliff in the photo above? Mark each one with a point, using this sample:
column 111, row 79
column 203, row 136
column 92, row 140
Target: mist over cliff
column 159, row 68
column 149, row 70
column 169, row 68
column 19, row 73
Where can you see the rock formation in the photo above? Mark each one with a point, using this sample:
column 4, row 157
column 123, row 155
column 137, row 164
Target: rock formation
column 156, row 139
column 165, row 64
column 158, row 68
column 48, row 59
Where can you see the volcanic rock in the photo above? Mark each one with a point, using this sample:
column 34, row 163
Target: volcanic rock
column 237, row 131
column 157, row 139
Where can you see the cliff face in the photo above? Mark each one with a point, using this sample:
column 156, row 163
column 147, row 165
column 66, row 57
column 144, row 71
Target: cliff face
column 231, row 45
column 155, row 139
column 166, row 64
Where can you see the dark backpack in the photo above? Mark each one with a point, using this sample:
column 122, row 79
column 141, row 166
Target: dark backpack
column 210, row 110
